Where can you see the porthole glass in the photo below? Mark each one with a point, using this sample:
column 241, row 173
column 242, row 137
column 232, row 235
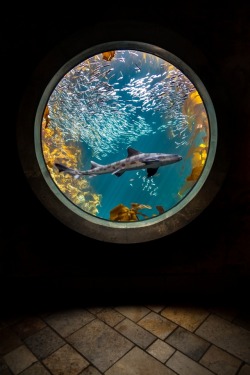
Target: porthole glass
column 125, row 134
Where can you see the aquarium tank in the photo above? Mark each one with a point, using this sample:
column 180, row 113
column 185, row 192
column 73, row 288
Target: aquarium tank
column 125, row 135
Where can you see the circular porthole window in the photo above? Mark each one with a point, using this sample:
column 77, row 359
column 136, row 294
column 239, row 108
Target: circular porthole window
column 125, row 136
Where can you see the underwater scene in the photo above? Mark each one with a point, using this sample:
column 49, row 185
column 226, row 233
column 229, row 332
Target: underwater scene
column 125, row 135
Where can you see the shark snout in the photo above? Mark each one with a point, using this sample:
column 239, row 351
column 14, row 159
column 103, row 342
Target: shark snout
column 176, row 157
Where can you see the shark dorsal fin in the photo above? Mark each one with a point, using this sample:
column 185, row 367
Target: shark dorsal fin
column 95, row 165
column 132, row 152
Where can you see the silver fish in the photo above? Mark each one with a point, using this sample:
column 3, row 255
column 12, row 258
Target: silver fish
column 135, row 160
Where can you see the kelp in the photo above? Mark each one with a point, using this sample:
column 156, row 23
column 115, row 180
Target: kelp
column 123, row 213
column 56, row 149
column 108, row 56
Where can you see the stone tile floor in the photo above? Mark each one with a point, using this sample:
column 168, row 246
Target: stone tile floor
column 127, row 340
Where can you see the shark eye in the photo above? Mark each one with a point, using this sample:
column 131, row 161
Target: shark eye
column 122, row 134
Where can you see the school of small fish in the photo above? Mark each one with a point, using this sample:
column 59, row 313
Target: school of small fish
column 99, row 102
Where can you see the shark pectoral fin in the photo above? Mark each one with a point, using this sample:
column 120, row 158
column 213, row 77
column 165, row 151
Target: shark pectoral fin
column 118, row 172
column 151, row 172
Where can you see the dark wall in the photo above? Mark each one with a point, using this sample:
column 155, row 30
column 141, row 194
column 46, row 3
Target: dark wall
column 208, row 258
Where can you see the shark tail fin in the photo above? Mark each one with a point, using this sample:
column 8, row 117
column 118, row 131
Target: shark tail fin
column 62, row 168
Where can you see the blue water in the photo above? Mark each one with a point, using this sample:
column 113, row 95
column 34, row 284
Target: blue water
column 135, row 100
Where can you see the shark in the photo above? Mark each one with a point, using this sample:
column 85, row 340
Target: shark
column 134, row 161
